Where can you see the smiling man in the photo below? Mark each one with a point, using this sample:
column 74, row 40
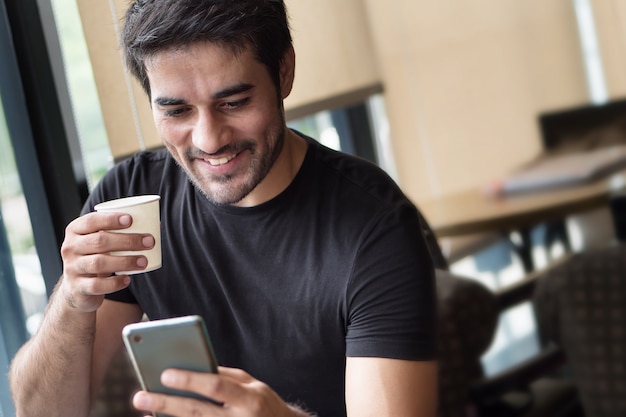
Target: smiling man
column 309, row 266
column 221, row 117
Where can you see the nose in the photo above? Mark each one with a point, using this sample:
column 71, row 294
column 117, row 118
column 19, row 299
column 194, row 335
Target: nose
column 210, row 132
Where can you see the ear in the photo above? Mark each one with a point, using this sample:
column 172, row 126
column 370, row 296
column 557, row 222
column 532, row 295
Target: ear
column 287, row 72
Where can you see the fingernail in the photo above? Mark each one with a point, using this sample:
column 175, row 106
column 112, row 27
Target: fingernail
column 125, row 220
column 168, row 377
column 148, row 241
column 142, row 262
column 141, row 400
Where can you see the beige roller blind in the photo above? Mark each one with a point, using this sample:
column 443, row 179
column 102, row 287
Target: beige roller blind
column 465, row 82
column 334, row 55
column 335, row 60
column 125, row 108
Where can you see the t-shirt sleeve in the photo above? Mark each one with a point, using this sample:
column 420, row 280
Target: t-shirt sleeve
column 391, row 296
column 124, row 296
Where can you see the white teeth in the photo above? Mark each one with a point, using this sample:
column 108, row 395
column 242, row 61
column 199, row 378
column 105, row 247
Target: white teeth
column 219, row 161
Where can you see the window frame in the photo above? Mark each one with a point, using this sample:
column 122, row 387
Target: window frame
column 40, row 145
column 34, row 115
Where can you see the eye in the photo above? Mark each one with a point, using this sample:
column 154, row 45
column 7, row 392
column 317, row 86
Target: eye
column 174, row 112
column 235, row 104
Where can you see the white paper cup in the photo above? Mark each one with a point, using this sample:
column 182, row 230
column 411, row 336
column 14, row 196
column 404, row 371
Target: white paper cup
column 144, row 209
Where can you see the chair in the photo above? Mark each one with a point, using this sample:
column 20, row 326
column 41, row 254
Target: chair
column 581, row 306
column 114, row 398
column 467, row 313
column 468, row 316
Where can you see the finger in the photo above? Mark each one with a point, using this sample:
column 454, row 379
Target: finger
column 101, row 286
column 235, row 374
column 92, row 222
column 215, row 386
column 104, row 265
column 86, row 294
column 175, row 405
column 103, row 242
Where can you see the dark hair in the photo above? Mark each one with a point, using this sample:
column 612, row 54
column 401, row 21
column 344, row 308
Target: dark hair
column 152, row 26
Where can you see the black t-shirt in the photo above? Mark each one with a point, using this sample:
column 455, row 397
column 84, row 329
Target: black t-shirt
column 334, row 266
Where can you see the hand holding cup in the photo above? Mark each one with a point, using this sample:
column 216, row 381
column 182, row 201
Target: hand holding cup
column 144, row 210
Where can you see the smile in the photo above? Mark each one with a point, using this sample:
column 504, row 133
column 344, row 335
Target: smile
column 220, row 161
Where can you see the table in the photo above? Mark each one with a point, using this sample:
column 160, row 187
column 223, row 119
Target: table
column 472, row 211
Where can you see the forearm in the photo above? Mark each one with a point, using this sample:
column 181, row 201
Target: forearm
column 50, row 375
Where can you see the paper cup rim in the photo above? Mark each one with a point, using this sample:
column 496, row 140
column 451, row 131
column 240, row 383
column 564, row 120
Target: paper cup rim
column 126, row 202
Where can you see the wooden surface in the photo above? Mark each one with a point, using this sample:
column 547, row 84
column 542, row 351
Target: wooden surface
column 474, row 212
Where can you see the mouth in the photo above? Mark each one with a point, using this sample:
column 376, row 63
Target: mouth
column 220, row 161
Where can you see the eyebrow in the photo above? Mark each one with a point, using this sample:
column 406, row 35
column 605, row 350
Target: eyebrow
column 234, row 90
column 168, row 101
column 227, row 92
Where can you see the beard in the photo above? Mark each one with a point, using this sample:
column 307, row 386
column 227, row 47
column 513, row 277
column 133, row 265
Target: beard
column 229, row 189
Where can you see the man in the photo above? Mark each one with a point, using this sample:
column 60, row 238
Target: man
column 309, row 266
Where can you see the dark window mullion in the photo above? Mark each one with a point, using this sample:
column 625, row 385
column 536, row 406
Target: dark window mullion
column 12, row 323
column 37, row 133
column 355, row 131
column 45, row 115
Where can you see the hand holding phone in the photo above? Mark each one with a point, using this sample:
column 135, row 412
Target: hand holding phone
column 181, row 343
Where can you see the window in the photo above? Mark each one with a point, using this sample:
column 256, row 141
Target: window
column 33, row 208
column 20, row 261
column 16, row 248
column 360, row 129
column 591, row 51
column 16, row 238
column 76, row 68
column 320, row 127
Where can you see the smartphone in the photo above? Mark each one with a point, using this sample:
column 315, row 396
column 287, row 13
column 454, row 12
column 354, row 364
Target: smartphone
column 181, row 342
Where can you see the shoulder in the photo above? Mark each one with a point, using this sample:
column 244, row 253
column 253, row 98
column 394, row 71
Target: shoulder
column 367, row 196
column 154, row 159
column 355, row 176
column 357, row 185
column 141, row 169
column 142, row 173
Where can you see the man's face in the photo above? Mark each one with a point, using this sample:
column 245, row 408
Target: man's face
column 219, row 115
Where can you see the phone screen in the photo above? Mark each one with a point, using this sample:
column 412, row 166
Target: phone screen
column 181, row 343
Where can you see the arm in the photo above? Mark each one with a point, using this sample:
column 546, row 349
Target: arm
column 393, row 316
column 239, row 392
column 51, row 374
column 380, row 387
column 375, row 387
